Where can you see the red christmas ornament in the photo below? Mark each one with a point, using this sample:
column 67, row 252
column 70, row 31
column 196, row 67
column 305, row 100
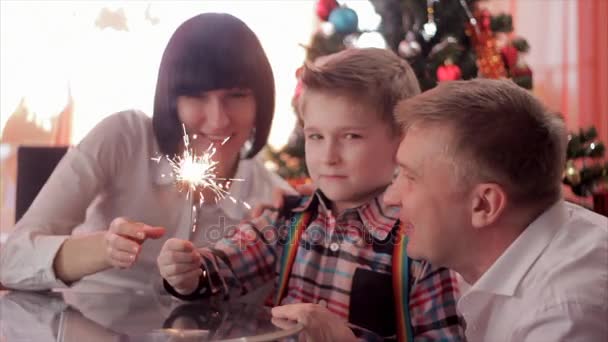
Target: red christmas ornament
column 324, row 8
column 485, row 18
column 295, row 182
column 519, row 71
column 510, row 55
column 448, row 72
column 489, row 60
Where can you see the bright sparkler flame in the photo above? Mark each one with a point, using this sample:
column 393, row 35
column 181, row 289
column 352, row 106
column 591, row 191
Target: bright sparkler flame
column 198, row 172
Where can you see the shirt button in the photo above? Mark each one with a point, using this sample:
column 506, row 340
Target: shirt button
column 359, row 242
column 334, row 247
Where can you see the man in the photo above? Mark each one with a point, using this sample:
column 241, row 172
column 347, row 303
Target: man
column 479, row 184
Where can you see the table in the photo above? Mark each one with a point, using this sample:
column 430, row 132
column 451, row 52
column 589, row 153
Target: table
column 134, row 316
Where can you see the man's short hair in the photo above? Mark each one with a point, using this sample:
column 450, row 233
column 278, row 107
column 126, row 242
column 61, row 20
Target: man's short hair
column 501, row 133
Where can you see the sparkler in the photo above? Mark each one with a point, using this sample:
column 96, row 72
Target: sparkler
column 194, row 173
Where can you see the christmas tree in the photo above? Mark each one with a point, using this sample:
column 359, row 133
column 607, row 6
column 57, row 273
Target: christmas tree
column 585, row 172
column 442, row 40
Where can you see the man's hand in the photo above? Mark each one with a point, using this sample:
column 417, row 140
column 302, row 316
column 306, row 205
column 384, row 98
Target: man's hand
column 320, row 325
column 180, row 265
column 123, row 241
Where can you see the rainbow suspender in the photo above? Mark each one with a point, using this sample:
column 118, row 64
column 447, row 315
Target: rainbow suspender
column 299, row 222
column 401, row 272
column 401, row 283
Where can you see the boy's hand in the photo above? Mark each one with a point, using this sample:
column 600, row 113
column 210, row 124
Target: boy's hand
column 278, row 195
column 179, row 264
column 123, row 241
column 320, row 325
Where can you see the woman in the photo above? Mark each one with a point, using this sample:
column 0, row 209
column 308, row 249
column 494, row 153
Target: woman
column 110, row 204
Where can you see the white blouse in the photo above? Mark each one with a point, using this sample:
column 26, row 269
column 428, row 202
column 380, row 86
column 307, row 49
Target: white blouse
column 110, row 174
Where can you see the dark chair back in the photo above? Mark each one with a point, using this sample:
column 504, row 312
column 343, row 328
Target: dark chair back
column 34, row 166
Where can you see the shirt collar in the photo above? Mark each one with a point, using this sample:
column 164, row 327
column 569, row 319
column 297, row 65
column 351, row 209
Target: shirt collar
column 377, row 217
column 507, row 272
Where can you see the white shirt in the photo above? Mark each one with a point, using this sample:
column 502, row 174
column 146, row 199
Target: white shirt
column 110, row 174
column 551, row 284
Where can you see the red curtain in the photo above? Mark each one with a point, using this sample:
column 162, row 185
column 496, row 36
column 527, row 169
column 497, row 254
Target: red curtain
column 569, row 56
column 593, row 65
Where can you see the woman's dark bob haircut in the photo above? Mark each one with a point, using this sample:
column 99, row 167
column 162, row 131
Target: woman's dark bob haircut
column 208, row 52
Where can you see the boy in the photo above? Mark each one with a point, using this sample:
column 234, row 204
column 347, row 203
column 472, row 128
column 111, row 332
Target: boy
column 334, row 250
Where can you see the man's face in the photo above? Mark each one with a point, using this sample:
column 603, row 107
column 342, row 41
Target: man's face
column 433, row 204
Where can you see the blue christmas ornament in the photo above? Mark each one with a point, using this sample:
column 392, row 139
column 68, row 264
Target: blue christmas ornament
column 344, row 19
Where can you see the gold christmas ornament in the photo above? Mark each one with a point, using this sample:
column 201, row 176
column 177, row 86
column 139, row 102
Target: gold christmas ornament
column 573, row 175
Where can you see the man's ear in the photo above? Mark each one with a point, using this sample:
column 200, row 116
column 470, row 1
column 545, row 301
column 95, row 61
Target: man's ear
column 489, row 201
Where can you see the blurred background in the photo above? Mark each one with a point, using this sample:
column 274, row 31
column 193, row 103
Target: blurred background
column 65, row 65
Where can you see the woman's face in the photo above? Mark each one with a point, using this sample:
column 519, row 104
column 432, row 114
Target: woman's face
column 222, row 117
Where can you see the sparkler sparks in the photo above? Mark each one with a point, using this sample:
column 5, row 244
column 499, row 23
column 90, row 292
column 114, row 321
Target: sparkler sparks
column 194, row 173
column 197, row 171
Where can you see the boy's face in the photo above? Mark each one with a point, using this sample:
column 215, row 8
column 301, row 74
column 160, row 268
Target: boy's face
column 350, row 149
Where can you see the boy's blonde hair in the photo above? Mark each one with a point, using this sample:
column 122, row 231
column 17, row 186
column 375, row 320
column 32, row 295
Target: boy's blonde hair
column 377, row 78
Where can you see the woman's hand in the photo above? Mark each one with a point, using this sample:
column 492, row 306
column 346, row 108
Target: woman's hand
column 119, row 246
column 123, row 241
column 180, row 265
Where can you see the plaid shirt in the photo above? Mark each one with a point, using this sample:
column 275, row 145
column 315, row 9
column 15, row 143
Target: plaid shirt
column 345, row 261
